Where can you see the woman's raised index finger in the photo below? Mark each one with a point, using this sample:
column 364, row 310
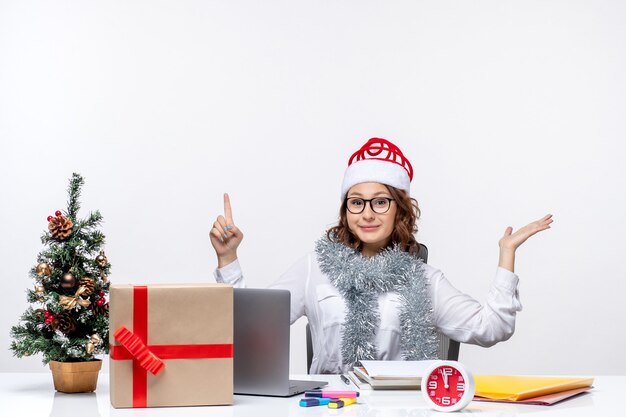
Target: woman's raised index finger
column 228, row 212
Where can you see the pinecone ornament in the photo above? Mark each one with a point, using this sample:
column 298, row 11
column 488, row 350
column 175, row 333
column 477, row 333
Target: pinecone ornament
column 89, row 285
column 60, row 227
column 65, row 323
column 102, row 310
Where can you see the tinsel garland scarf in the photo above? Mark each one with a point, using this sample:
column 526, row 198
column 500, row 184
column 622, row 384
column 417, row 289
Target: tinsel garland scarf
column 360, row 280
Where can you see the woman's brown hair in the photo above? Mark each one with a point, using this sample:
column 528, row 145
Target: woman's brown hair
column 404, row 230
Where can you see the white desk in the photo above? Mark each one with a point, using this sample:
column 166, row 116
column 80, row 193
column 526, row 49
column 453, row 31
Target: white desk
column 32, row 395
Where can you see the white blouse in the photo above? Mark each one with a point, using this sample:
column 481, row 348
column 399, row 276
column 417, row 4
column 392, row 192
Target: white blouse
column 457, row 315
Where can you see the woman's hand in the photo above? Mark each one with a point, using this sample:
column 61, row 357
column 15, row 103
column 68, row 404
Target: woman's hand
column 225, row 236
column 511, row 241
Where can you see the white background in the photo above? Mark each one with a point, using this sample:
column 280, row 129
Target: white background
column 508, row 110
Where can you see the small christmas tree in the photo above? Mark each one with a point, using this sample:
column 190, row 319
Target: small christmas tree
column 71, row 288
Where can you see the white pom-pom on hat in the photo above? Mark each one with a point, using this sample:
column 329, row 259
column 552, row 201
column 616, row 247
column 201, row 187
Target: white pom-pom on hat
column 378, row 161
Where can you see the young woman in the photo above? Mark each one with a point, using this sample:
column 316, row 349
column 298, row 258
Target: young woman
column 364, row 291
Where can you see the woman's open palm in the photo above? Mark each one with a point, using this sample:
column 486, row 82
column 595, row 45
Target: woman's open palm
column 512, row 240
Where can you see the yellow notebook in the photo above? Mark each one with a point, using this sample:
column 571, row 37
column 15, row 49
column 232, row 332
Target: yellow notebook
column 516, row 388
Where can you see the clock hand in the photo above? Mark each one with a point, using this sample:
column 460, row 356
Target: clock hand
column 444, row 373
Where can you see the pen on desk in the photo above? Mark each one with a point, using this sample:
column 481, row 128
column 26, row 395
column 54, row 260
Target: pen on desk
column 318, row 393
column 344, row 379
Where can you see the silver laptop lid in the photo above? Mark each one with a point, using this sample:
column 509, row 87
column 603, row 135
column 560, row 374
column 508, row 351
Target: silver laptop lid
column 261, row 341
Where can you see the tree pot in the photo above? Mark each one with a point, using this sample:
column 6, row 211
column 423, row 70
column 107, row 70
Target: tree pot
column 75, row 376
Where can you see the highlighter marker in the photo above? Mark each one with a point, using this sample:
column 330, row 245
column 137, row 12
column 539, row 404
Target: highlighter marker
column 342, row 402
column 314, row 402
column 318, row 393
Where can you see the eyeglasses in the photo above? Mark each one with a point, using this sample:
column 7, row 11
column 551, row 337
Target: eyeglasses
column 379, row 205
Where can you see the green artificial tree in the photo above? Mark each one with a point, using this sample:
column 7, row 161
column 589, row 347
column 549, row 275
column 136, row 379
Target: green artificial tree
column 70, row 320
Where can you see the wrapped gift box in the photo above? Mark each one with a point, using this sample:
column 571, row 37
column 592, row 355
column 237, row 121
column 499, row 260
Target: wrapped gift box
column 171, row 345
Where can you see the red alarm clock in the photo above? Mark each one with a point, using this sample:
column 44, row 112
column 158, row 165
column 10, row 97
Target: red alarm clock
column 448, row 386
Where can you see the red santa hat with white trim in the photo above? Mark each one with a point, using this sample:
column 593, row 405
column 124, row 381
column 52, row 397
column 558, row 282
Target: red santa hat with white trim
column 378, row 161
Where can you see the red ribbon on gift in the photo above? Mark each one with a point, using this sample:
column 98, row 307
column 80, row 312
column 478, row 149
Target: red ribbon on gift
column 149, row 358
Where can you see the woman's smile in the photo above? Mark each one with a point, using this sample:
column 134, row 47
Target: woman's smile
column 369, row 228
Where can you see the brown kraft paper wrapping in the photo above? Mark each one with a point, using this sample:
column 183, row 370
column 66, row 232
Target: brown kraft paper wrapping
column 180, row 314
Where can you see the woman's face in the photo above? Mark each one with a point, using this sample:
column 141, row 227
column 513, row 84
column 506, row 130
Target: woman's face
column 372, row 228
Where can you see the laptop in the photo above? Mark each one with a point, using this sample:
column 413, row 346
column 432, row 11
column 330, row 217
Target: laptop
column 261, row 344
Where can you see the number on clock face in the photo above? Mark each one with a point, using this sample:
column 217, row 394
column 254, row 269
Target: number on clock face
column 446, row 385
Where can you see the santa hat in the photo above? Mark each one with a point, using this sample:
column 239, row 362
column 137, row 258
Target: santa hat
column 378, row 161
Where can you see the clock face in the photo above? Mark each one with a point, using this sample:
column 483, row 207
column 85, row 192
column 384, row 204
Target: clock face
column 448, row 387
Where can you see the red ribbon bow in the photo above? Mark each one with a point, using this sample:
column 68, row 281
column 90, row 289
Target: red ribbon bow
column 147, row 360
